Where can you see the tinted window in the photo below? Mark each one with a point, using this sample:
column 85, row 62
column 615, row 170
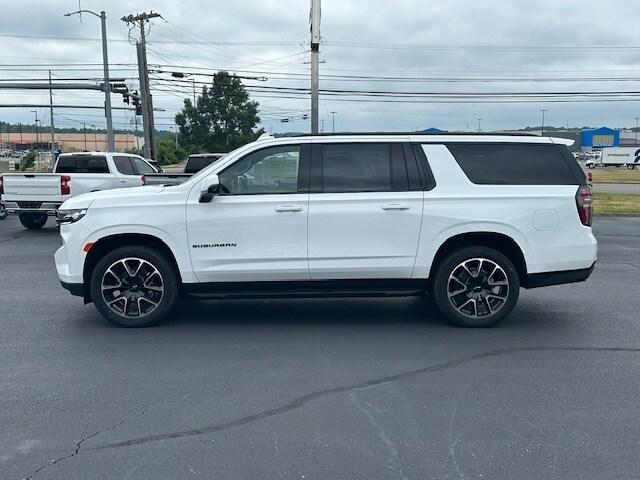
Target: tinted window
column 514, row 164
column 141, row 166
column 195, row 164
column 271, row 170
column 361, row 167
column 82, row 164
column 123, row 164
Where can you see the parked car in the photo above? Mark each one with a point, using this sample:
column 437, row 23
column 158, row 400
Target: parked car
column 194, row 164
column 35, row 196
column 468, row 218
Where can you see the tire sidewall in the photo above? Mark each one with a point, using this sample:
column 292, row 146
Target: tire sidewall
column 159, row 261
column 441, row 279
column 33, row 221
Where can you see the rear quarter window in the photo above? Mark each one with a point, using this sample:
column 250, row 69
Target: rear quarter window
column 515, row 164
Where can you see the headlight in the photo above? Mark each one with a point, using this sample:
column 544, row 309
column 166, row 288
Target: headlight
column 70, row 216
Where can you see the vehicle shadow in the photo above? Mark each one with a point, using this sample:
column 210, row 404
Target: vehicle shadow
column 371, row 311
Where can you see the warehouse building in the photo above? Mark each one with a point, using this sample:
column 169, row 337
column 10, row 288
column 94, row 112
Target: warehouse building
column 68, row 142
column 599, row 138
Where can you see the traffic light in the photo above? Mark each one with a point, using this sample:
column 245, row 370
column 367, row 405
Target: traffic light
column 136, row 102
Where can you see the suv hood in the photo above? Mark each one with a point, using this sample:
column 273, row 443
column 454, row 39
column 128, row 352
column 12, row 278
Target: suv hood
column 115, row 197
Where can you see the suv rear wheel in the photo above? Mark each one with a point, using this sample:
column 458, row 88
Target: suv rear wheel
column 33, row 221
column 134, row 286
column 476, row 287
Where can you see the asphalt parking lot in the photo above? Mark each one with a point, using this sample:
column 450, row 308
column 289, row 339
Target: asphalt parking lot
column 321, row 389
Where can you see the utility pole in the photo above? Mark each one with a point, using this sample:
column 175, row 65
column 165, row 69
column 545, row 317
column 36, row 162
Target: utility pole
column 20, row 124
column 322, row 125
column 175, row 127
column 35, row 112
column 333, row 121
column 105, row 66
column 315, row 53
column 143, row 73
column 479, row 125
column 52, row 149
column 636, row 133
column 194, row 91
column 542, row 130
column 84, row 127
column 95, row 138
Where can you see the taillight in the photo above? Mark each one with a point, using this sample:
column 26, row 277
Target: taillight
column 585, row 205
column 65, row 188
column 1, row 186
column 143, row 180
column 590, row 177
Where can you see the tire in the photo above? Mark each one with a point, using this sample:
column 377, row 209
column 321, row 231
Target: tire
column 33, row 221
column 484, row 296
column 590, row 166
column 152, row 289
column 631, row 166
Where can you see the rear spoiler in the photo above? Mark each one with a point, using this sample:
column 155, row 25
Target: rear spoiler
column 562, row 141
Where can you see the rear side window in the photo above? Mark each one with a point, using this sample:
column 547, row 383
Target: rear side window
column 514, row 164
column 123, row 164
column 356, row 167
column 82, row 164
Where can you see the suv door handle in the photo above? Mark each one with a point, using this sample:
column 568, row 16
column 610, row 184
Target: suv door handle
column 395, row 206
column 288, row 208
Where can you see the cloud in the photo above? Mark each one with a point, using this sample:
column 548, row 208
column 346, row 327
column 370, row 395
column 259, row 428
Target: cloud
column 411, row 38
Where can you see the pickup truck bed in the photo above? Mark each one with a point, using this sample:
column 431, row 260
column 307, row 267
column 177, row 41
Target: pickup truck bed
column 34, row 196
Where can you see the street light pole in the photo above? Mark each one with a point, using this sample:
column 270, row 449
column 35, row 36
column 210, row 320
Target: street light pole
column 479, row 125
column 95, row 138
column 543, row 112
column 333, row 121
column 636, row 133
column 105, row 66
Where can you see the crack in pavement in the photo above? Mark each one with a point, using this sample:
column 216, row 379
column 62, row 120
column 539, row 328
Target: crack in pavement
column 76, row 451
column 304, row 399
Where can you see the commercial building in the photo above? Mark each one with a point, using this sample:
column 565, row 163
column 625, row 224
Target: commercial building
column 68, row 142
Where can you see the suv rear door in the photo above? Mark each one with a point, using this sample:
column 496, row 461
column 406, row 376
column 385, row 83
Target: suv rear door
column 365, row 211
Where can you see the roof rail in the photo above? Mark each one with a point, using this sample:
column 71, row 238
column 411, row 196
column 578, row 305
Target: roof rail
column 437, row 134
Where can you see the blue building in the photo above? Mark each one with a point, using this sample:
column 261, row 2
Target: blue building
column 599, row 137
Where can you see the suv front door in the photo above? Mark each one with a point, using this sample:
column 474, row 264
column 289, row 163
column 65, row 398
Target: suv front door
column 365, row 211
column 256, row 228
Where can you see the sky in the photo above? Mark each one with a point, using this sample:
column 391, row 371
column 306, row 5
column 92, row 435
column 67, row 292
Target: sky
column 455, row 48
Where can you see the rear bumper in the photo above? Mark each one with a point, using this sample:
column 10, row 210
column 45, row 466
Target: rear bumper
column 14, row 208
column 547, row 279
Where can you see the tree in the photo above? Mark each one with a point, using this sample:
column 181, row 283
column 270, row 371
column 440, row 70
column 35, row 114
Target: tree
column 166, row 151
column 223, row 118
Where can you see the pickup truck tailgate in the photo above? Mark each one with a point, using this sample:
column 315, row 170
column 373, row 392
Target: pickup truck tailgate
column 35, row 186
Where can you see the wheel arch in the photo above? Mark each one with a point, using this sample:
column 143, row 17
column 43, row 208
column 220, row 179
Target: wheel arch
column 112, row 242
column 498, row 241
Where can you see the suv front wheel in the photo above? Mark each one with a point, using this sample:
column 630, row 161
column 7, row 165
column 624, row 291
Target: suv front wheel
column 476, row 287
column 134, row 286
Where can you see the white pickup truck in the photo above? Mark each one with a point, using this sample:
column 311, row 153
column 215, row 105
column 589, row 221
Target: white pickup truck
column 36, row 196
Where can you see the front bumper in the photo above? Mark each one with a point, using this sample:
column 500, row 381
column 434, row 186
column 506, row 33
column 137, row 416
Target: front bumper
column 76, row 289
column 546, row 279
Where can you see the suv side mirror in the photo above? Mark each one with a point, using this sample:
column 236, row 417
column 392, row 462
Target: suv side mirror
column 212, row 189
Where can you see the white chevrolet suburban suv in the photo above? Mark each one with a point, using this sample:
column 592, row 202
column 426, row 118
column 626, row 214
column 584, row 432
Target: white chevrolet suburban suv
column 469, row 219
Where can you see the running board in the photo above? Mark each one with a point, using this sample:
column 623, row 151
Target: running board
column 308, row 289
